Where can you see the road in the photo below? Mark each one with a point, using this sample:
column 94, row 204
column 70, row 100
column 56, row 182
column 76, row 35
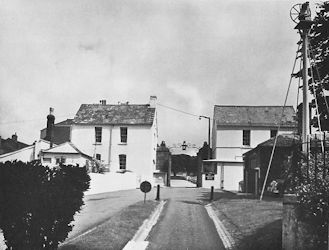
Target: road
column 100, row 207
column 184, row 223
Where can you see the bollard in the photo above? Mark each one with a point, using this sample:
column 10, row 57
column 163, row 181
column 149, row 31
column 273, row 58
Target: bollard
column 158, row 193
column 212, row 193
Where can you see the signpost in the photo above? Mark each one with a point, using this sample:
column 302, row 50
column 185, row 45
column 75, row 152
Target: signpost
column 145, row 188
column 210, row 176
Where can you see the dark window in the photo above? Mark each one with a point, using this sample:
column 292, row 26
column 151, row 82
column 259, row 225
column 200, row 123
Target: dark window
column 124, row 134
column 46, row 160
column 98, row 157
column 274, row 132
column 246, row 138
column 122, row 161
column 98, row 134
column 60, row 160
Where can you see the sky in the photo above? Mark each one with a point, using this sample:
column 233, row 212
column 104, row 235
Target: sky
column 191, row 54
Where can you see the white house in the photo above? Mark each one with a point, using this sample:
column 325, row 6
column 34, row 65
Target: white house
column 65, row 153
column 26, row 154
column 238, row 129
column 122, row 136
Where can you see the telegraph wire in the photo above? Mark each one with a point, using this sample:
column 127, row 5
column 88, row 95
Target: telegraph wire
column 180, row 111
column 32, row 120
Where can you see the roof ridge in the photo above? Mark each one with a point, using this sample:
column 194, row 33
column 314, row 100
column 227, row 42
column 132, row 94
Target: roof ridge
column 217, row 105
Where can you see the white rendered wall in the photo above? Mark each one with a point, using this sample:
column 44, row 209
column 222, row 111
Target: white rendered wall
column 209, row 183
column 229, row 142
column 140, row 148
column 25, row 155
column 233, row 174
column 70, row 159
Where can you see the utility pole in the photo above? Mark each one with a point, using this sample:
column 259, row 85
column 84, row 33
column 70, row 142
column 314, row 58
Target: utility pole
column 304, row 26
column 207, row 117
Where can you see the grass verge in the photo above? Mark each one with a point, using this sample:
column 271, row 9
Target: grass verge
column 253, row 224
column 115, row 232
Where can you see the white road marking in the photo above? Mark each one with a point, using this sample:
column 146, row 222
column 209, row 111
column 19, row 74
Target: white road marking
column 138, row 241
column 221, row 230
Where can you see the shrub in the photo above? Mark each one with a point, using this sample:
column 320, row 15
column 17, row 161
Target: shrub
column 38, row 203
column 308, row 178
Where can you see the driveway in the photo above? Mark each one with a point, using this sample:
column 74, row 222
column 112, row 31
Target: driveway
column 184, row 223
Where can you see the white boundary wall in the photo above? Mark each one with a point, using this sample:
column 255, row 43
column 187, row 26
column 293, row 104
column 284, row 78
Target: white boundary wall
column 108, row 182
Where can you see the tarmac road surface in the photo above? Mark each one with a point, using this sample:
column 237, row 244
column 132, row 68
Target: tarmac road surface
column 184, row 223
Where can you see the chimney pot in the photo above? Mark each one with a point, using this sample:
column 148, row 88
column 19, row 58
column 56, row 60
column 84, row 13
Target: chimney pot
column 50, row 127
column 14, row 137
column 153, row 101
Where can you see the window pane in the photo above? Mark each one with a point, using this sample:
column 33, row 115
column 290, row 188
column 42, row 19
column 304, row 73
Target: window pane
column 246, row 137
column 98, row 157
column 47, row 160
column 124, row 134
column 122, row 161
column 273, row 132
column 98, row 134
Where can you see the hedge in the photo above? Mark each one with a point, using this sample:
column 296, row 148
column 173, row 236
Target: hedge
column 38, row 203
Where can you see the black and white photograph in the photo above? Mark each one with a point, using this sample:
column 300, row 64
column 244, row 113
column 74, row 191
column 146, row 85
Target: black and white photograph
column 164, row 124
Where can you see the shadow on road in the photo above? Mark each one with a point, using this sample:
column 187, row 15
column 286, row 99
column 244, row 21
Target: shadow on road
column 222, row 194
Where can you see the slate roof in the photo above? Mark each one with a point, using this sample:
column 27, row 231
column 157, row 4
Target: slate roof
column 66, row 122
column 253, row 116
column 289, row 140
column 284, row 140
column 10, row 145
column 123, row 114
column 62, row 132
column 65, row 148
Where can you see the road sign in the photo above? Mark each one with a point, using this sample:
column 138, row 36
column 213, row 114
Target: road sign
column 210, row 177
column 145, row 188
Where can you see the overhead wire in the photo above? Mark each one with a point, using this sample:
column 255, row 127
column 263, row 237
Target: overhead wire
column 319, row 77
column 317, row 107
column 279, row 127
column 181, row 111
column 33, row 120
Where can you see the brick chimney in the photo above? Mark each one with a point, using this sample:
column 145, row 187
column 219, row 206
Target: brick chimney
column 153, row 101
column 14, row 137
column 50, row 127
column 102, row 102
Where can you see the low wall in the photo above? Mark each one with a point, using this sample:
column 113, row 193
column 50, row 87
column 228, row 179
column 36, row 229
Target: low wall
column 108, row 182
column 295, row 233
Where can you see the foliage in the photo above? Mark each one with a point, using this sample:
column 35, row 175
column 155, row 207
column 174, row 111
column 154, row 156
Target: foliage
column 38, row 203
column 319, row 42
column 309, row 180
column 184, row 163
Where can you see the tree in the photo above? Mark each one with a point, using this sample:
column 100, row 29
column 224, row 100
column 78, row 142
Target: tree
column 319, row 51
column 38, row 203
column 184, row 163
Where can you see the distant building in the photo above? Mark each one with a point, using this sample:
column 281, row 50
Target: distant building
column 122, row 136
column 62, row 132
column 65, row 153
column 256, row 162
column 11, row 144
column 26, row 154
column 238, row 129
